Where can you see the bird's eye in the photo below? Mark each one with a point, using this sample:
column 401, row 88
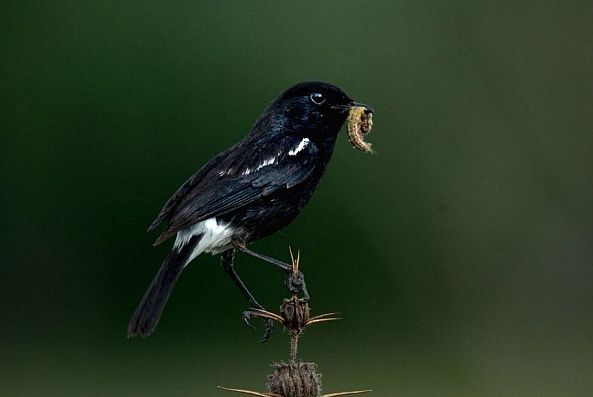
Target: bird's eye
column 317, row 98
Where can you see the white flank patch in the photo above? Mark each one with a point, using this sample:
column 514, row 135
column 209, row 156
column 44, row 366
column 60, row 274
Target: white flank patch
column 216, row 237
column 302, row 144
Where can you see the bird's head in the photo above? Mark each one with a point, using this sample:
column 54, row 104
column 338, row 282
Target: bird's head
column 312, row 109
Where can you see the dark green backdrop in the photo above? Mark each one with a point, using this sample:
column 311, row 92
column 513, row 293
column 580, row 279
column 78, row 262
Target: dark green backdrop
column 460, row 255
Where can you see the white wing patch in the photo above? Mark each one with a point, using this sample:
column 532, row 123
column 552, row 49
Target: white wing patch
column 302, row 144
column 265, row 163
column 216, row 237
column 227, row 172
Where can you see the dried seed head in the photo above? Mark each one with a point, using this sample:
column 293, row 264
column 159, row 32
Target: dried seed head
column 360, row 123
column 295, row 313
column 295, row 380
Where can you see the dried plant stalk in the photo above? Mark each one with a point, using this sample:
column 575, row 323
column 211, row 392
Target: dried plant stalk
column 295, row 378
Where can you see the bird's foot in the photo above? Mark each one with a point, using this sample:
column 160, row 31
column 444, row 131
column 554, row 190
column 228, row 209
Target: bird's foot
column 295, row 283
column 248, row 315
column 295, row 280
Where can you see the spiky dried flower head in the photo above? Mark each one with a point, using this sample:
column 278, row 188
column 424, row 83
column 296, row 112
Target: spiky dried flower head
column 298, row 379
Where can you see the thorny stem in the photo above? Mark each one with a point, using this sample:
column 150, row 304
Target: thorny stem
column 294, row 336
column 294, row 344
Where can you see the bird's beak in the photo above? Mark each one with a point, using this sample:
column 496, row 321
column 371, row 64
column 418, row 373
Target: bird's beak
column 367, row 109
column 346, row 108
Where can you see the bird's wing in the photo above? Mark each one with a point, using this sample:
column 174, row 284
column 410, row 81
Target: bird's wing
column 190, row 184
column 242, row 179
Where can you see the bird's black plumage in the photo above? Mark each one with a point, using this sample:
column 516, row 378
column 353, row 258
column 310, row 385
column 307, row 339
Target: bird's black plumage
column 252, row 189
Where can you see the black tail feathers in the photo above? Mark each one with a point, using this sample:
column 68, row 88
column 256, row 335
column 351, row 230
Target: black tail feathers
column 147, row 315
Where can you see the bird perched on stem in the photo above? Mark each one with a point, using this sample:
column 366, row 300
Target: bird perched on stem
column 248, row 192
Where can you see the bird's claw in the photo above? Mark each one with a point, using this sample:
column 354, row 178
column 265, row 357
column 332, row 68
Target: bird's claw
column 269, row 329
column 248, row 315
column 295, row 283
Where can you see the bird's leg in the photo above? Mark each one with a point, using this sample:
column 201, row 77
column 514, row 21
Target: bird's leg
column 265, row 258
column 227, row 262
column 294, row 282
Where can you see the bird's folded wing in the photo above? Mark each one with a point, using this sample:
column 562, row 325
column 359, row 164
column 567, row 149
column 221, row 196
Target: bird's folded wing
column 251, row 182
column 184, row 189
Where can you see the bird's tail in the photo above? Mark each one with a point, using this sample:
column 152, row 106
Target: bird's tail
column 148, row 313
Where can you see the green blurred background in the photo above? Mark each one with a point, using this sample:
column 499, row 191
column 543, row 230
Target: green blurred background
column 460, row 255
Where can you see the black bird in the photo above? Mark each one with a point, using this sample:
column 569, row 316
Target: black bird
column 249, row 191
